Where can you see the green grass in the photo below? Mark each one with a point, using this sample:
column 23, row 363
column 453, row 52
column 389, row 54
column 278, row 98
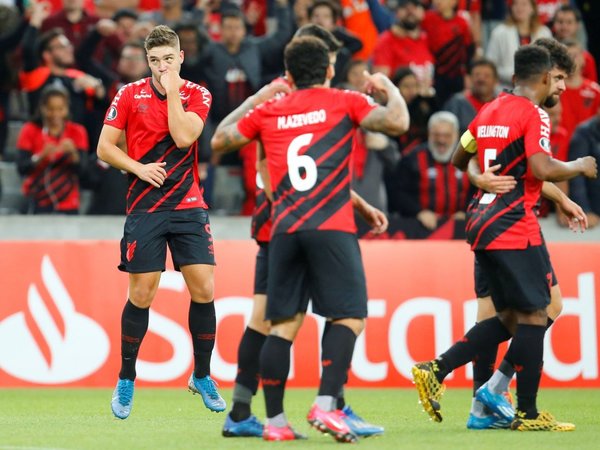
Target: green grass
column 174, row 419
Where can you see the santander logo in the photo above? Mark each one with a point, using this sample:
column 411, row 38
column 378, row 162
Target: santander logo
column 75, row 348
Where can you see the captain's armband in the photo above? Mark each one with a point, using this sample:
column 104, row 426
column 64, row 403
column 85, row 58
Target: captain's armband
column 468, row 142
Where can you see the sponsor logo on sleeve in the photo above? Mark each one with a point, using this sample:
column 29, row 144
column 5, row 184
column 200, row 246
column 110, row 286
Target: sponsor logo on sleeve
column 112, row 113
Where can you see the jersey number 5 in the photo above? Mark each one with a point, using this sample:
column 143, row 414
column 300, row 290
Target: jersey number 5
column 489, row 155
column 301, row 163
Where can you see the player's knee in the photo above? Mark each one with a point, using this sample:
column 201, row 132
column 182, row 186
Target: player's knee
column 355, row 324
column 203, row 292
column 556, row 304
column 142, row 296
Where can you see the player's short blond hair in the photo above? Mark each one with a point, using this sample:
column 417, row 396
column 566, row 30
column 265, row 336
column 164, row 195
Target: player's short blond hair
column 161, row 36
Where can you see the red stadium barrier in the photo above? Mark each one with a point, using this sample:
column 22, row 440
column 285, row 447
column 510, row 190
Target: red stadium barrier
column 62, row 301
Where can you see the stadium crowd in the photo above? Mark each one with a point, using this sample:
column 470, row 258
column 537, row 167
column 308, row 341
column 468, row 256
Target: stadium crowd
column 63, row 62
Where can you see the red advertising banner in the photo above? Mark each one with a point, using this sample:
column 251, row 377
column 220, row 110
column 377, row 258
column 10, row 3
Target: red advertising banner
column 61, row 305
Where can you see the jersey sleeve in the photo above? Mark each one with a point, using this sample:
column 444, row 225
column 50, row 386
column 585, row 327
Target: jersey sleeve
column 118, row 111
column 537, row 132
column 80, row 138
column 25, row 139
column 200, row 101
column 249, row 125
column 359, row 105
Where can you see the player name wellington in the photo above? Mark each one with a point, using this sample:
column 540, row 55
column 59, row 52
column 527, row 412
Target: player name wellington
column 300, row 120
column 492, row 131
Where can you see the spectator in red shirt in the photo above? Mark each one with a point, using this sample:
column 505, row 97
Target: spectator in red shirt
column 581, row 99
column 51, row 155
column 483, row 87
column 73, row 19
column 404, row 44
column 565, row 26
column 451, row 43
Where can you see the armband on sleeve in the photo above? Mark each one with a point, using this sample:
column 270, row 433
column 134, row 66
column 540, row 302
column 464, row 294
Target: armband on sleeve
column 468, row 142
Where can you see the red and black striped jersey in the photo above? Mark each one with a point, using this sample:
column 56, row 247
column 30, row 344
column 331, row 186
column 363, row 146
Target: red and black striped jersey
column 307, row 137
column 261, row 217
column 53, row 181
column 508, row 130
column 140, row 110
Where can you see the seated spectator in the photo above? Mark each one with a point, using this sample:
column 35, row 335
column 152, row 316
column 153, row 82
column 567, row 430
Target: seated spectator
column 404, row 44
column 429, row 187
column 171, row 12
column 327, row 15
column 74, row 21
column 566, row 27
column 13, row 24
column 357, row 19
column 353, row 75
column 483, row 86
column 581, row 99
column 522, row 26
column 192, row 41
column 51, row 155
column 547, row 9
column 451, row 43
column 48, row 60
column 585, row 191
column 421, row 105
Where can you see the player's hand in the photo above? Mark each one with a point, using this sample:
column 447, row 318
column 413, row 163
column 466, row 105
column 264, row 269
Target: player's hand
column 38, row 12
column 171, row 82
column 377, row 84
column 153, row 173
column 589, row 166
column 377, row 220
column 106, row 27
column 428, row 219
column 496, row 184
column 576, row 219
column 593, row 220
column 270, row 91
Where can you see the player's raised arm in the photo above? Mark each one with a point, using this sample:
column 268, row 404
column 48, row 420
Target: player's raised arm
column 392, row 118
column 547, row 168
column 227, row 137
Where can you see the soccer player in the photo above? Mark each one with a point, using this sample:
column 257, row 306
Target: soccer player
column 505, row 235
column 307, row 141
column 162, row 117
column 483, row 364
column 240, row 422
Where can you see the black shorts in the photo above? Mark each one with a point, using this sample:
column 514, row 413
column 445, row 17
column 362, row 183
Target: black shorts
column 482, row 288
column 518, row 279
column 261, row 269
column 323, row 265
column 146, row 236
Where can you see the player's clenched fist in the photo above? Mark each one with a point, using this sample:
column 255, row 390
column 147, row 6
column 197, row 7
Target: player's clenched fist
column 589, row 166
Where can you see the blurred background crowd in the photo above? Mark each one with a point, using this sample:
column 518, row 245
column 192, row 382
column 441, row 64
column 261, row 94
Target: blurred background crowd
column 62, row 62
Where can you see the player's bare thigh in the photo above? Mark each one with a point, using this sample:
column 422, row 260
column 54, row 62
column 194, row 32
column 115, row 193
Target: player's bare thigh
column 143, row 287
column 199, row 279
column 257, row 319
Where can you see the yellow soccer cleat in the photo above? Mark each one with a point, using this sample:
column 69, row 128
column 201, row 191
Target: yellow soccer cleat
column 430, row 390
column 543, row 422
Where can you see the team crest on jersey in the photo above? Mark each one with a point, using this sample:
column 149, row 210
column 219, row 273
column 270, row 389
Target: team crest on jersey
column 545, row 144
column 112, row 113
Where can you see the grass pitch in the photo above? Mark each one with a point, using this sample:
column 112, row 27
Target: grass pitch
column 174, row 419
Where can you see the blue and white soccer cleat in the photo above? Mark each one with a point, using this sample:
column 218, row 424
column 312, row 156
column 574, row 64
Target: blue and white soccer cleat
column 207, row 388
column 250, row 427
column 358, row 425
column 122, row 399
column 497, row 403
column 489, row 422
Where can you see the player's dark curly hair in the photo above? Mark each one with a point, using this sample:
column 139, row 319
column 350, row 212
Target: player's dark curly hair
column 558, row 54
column 317, row 31
column 307, row 60
column 532, row 61
column 161, row 36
